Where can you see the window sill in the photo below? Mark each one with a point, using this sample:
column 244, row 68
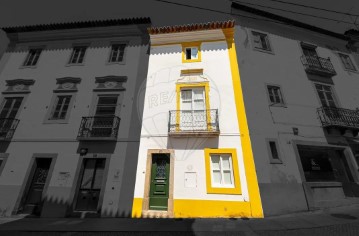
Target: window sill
column 28, row 67
column 350, row 70
column 275, row 161
column 56, row 121
column 263, row 50
column 277, row 105
column 116, row 63
column 75, row 64
column 224, row 190
column 191, row 61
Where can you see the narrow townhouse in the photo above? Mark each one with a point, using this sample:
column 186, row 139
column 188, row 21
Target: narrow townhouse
column 69, row 121
column 300, row 86
column 195, row 157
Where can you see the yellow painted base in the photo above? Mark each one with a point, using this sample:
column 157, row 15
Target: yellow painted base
column 137, row 208
column 188, row 208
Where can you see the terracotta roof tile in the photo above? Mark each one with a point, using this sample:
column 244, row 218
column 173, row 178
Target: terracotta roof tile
column 191, row 27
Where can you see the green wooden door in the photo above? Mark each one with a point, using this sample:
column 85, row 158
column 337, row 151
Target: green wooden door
column 159, row 188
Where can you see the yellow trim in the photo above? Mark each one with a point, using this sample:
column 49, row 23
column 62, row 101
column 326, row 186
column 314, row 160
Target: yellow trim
column 237, row 184
column 253, row 190
column 191, row 71
column 188, row 208
column 180, row 86
column 137, row 207
column 191, row 45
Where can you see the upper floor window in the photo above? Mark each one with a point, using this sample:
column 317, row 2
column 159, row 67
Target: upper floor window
column 191, row 52
column 61, row 107
column 347, row 62
column 32, row 57
column 275, row 95
column 261, row 41
column 326, row 95
column 117, row 52
column 78, row 54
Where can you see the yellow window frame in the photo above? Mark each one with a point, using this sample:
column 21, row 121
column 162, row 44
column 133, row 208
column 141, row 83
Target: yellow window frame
column 179, row 87
column 237, row 185
column 191, row 45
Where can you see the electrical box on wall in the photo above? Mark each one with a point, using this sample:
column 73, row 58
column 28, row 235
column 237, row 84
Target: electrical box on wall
column 190, row 179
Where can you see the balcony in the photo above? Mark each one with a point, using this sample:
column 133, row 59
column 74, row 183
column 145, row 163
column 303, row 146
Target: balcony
column 186, row 123
column 7, row 128
column 318, row 65
column 99, row 128
column 344, row 119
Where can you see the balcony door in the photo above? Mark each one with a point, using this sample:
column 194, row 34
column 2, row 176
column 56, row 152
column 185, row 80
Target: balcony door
column 9, row 110
column 326, row 95
column 105, row 111
column 311, row 56
column 193, row 114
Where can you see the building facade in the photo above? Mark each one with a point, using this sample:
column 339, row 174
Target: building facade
column 69, row 117
column 195, row 157
column 300, row 86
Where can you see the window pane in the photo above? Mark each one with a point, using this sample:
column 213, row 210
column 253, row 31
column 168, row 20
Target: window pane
column 215, row 159
column 216, row 177
column 226, row 162
column 273, row 149
column 227, row 177
column 199, row 105
column 89, row 168
column 107, row 100
column 194, row 53
column 100, row 166
column 186, row 95
column 188, row 53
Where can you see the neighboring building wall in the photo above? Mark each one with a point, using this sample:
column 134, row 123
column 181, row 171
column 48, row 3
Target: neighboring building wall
column 283, row 185
column 189, row 197
column 36, row 137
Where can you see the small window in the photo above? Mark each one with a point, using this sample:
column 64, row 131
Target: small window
column 261, row 41
column 222, row 171
column 275, row 95
column 3, row 159
column 32, row 57
column 274, row 157
column 347, row 62
column 78, row 54
column 117, row 52
column 191, row 52
column 61, row 107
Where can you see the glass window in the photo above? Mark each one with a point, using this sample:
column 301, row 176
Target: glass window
column 61, row 107
column 117, row 52
column 261, row 41
column 191, row 53
column 32, row 57
column 347, row 62
column 78, row 54
column 325, row 95
column 222, row 171
column 275, row 95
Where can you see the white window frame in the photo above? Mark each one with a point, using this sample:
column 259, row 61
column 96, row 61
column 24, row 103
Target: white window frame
column 273, row 160
column 73, row 54
column 336, row 101
column 192, row 58
column 123, row 61
column 268, row 41
column 354, row 68
column 27, row 58
column 281, row 97
column 222, row 185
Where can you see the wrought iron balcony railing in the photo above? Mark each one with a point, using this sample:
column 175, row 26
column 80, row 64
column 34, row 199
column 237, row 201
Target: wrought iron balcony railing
column 339, row 117
column 99, row 127
column 193, row 121
column 7, row 128
column 318, row 65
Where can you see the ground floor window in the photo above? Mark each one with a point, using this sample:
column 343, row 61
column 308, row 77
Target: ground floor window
column 222, row 173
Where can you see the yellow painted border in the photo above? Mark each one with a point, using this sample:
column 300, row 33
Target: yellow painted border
column 180, row 86
column 191, row 71
column 253, row 189
column 137, row 208
column 237, row 184
column 188, row 45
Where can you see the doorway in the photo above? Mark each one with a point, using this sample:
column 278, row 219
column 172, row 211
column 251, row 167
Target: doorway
column 34, row 196
column 91, row 178
column 159, row 189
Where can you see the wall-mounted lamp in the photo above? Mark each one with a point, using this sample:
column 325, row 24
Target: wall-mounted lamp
column 295, row 131
column 83, row 151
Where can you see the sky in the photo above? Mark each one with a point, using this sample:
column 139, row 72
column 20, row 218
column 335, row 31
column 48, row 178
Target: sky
column 22, row 12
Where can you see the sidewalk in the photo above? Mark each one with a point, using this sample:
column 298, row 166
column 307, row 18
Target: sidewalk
column 334, row 221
